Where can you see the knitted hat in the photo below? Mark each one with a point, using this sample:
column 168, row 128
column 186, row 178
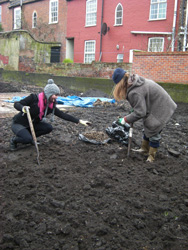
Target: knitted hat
column 118, row 75
column 51, row 89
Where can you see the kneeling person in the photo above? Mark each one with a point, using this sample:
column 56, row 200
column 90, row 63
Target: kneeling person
column 40, row 106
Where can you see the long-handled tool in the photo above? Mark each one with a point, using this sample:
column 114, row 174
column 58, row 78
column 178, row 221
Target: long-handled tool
column 33, row 132
column 130, row 139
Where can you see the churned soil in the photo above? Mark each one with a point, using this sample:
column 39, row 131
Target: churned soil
column 85, row 196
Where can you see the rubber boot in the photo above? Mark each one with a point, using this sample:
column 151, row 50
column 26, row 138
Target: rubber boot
column 144, row 147
column 152, row 153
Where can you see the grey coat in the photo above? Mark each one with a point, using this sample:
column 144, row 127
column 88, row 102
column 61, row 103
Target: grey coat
column 150, row 103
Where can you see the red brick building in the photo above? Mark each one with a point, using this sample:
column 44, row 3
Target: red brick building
column 108, row 31
column 100, row 30
column 46, row 20
column 4, row 13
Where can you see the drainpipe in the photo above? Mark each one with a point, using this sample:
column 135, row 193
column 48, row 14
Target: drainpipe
column 185, row 29
column 101, row 31
column 21, row 11
column 180, row 46
column 174, row 24
column 182, row 13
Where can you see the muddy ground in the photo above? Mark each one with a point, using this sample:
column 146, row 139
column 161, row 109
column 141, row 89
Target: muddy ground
column 93, row 197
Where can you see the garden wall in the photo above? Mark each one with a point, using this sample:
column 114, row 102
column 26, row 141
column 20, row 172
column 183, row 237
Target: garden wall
column 95, row 69
column 170, row 67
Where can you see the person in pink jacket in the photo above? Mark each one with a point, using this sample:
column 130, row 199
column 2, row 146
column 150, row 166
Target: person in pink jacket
column 150, row 102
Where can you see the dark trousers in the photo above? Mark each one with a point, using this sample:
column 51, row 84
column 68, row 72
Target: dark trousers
column 23, row 134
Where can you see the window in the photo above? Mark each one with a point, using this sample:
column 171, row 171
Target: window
column 34, row 20
column 119, row 58
column 0, row 14
column 156, row 44
column 17, row 18
column 53, row 18
column 119, row 15
column 89, row 54
column 158, row 9
column 91, row 12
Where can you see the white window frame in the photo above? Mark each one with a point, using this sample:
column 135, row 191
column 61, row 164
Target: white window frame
column 116, row 15
column 0, row 14
column 53, row 14
column 92, row 52
column 34, row 19
column 17, row 18
column 120, row 58
column 91, row 13
column 155, row 48
column 156, row 9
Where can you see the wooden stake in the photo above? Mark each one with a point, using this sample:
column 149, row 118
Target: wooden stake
column 33, row 132
column 130, row 139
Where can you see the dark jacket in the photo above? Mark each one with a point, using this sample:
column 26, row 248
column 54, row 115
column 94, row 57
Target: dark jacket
column 32, row 101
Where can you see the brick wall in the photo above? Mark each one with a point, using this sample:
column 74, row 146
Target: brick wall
column 170, row 67
column 7, row 17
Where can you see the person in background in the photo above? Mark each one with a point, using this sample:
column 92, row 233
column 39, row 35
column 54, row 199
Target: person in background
column 150, row 102
column 40, row 106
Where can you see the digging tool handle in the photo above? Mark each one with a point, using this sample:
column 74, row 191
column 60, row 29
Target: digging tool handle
column 33, row 133
column 130, row 139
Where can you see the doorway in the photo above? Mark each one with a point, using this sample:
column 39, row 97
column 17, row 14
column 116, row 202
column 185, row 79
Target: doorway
column 70, row 48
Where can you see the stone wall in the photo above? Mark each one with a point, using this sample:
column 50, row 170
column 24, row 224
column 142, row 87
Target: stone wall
column 9, row 51
column 95, row 69
column 20, row 51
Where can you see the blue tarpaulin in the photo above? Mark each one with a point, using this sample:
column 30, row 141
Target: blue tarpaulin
column 77, row 101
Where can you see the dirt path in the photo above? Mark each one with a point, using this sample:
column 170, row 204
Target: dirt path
column 92, row 197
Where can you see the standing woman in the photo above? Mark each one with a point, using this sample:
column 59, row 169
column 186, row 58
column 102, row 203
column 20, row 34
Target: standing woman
column 150, row 102
column 40, row 106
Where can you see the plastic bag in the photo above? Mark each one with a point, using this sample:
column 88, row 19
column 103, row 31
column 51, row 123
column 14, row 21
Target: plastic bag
column 119, row 132
column 94, row 141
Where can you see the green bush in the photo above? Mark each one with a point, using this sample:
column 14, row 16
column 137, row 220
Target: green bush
column 1, row 28
column 67, row 60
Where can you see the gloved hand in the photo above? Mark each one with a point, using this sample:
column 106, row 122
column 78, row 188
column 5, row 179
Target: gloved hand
column 24, row 110
column 85, row 123
column 121, row 121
